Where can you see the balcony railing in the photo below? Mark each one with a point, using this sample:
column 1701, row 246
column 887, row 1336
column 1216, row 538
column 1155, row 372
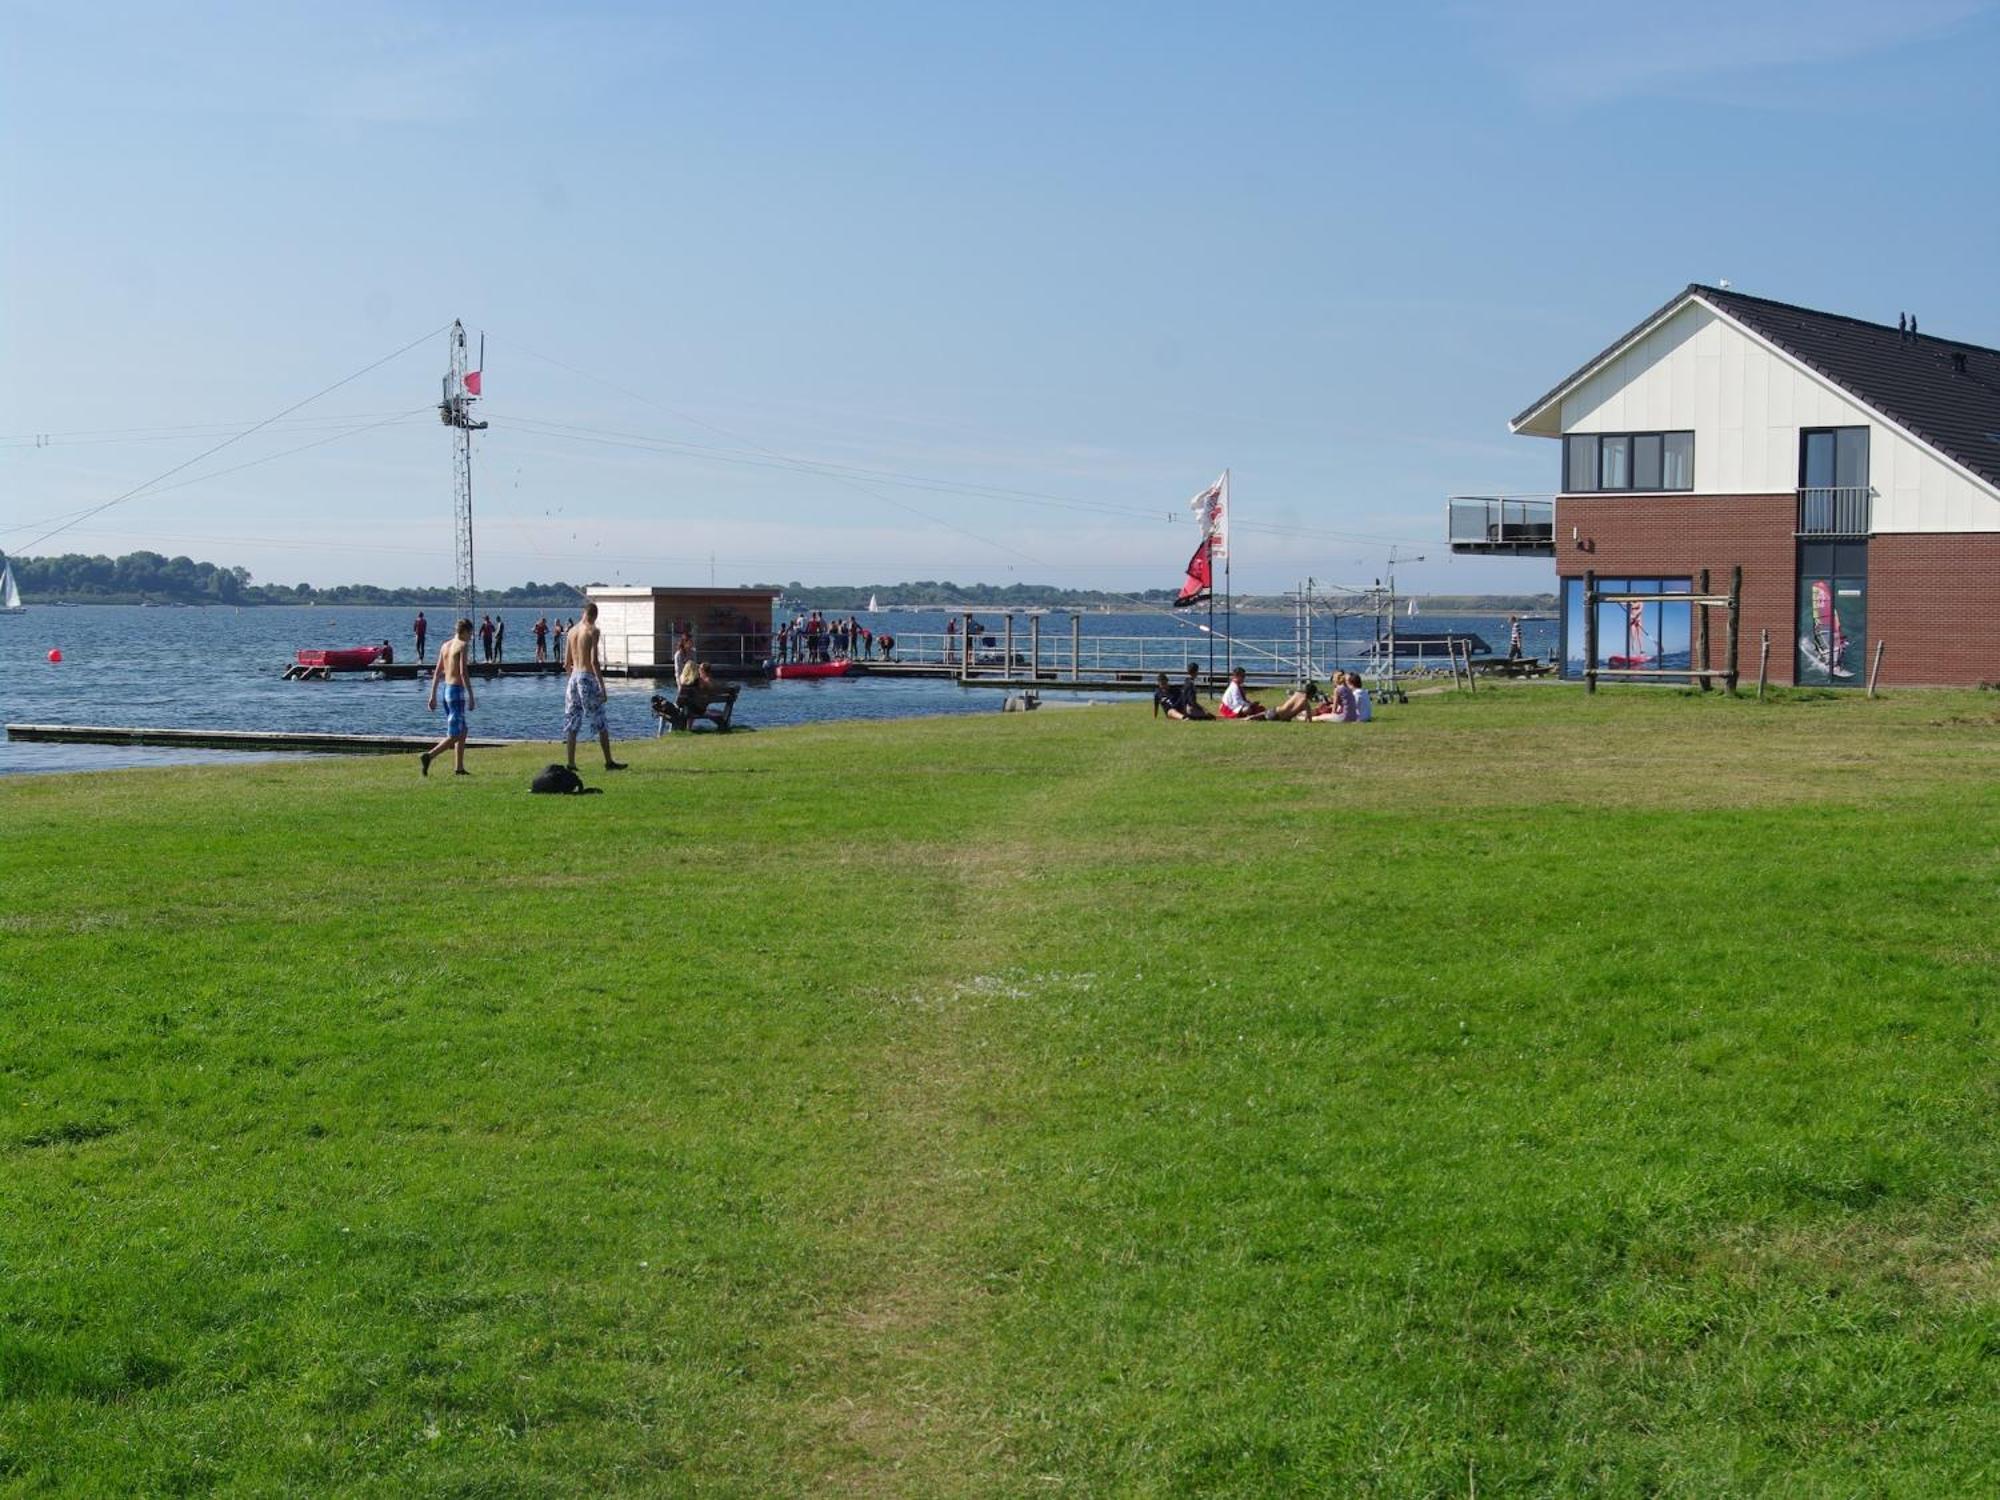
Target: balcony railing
column 1828, row 510
column 1501, row 524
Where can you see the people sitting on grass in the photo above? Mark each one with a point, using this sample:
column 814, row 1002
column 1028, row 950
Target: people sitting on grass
column 1170, row 698
column 1350, row 702
column 1191, row 693
column 1237, row 704
column 1336, row 707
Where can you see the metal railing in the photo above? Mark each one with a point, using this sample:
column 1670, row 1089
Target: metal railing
column 994, row 651
column 1835, row 510
column 1500, row 522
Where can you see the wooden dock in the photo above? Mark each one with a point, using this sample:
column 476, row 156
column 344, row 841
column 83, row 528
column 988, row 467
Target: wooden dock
column 233, row 739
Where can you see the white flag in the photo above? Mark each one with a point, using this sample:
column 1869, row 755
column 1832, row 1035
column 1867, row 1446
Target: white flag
column 1211, row 513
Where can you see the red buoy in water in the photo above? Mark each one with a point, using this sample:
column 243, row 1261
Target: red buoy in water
column 55, row 653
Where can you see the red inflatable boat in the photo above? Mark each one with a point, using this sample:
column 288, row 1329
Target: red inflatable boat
column 341, row 658
column 793, row 671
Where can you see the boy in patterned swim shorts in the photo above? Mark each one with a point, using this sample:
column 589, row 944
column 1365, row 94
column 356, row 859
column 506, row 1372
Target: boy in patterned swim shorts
column 450, row 677
column 583, row 693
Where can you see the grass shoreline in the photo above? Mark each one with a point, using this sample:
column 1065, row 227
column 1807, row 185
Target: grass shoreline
column 1559, row 1095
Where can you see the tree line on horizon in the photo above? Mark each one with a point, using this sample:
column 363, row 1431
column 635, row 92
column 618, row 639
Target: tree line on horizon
column 151, row 578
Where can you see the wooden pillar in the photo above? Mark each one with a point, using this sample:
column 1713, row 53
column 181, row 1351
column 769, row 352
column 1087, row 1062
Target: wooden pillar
column 1735, row 611
column 1035, row 647
column 1008, row 655
column 1702, row 660
column 1590, row 631
column 1075, row 646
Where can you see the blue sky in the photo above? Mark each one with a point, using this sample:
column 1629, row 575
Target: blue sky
column 1039, row 271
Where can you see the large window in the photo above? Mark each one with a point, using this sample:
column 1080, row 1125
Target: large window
column 1612, row 461
column 1650, row 634
column 1833, row 613
column 1833, row 458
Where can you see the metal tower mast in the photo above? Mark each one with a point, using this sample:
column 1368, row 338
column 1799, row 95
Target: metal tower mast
column 455, row 411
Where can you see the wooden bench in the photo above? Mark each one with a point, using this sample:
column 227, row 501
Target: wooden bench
column 718, row 715
column 1501, row 666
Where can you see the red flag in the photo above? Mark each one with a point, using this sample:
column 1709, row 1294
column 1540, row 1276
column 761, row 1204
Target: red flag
column 1200, row 576
column 471, row 382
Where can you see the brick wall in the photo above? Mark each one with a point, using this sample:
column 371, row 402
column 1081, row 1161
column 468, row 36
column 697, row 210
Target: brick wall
column 1676, row 536
column 1935, row 599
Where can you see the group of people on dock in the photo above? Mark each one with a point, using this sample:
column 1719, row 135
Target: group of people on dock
column 492, row 637
column 583, row 691
column 814, row 638
column 1349, row 702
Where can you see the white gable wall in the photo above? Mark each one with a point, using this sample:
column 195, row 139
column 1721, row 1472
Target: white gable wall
column 1745, row 404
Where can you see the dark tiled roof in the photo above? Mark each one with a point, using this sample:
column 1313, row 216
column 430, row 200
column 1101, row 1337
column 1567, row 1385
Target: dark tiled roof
column 1915, row 382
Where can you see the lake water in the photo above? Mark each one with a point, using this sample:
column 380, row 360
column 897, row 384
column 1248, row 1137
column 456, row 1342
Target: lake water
column 220, row 669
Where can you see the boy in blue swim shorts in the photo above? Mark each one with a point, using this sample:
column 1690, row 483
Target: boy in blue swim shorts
column 583, row 692
column 450, row 681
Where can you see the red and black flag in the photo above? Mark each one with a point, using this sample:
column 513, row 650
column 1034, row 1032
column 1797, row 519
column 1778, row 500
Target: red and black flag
column 1200, row 583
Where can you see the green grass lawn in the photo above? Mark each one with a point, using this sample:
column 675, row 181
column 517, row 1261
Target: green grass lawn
column 1523, row 1095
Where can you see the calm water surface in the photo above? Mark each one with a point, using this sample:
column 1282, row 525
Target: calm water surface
column 219, row 669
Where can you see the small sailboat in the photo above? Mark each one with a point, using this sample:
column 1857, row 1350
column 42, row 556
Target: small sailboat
column 873, row 607
column 1412, row 609
column 10, row 592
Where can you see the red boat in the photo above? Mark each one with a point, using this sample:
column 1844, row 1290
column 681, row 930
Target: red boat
column 340, row 658
column 793, row 671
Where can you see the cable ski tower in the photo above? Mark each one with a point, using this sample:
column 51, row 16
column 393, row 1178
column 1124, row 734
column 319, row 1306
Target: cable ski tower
column 461, row 389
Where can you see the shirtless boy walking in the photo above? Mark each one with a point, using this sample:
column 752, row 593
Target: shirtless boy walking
column 450, row 675
column 583, row 693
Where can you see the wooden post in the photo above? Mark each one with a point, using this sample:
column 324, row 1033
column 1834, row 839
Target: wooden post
column 1763, row 664
column 1875, row 671
column 1035, row 647
column 964, row 647
column 1735, row 610
column 1465, row 646
column 1702, row 589
column 1007, row 655
column 1075, row 646
column 1590, row 630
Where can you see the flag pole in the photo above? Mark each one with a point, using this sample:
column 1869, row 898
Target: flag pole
column 1228, row 594
column 1210, row 545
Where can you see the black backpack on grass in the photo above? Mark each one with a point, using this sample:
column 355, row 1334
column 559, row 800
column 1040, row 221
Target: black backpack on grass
column 560, row 781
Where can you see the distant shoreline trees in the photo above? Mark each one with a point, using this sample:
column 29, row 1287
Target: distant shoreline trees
column 150, row 578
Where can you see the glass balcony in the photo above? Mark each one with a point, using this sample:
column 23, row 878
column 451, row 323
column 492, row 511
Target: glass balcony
column 1502, row 525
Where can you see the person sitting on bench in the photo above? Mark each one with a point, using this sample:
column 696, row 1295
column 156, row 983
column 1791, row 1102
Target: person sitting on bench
column 697, row 700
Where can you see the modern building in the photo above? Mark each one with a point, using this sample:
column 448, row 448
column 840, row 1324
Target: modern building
column 731, row 627
column 1850, row 469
